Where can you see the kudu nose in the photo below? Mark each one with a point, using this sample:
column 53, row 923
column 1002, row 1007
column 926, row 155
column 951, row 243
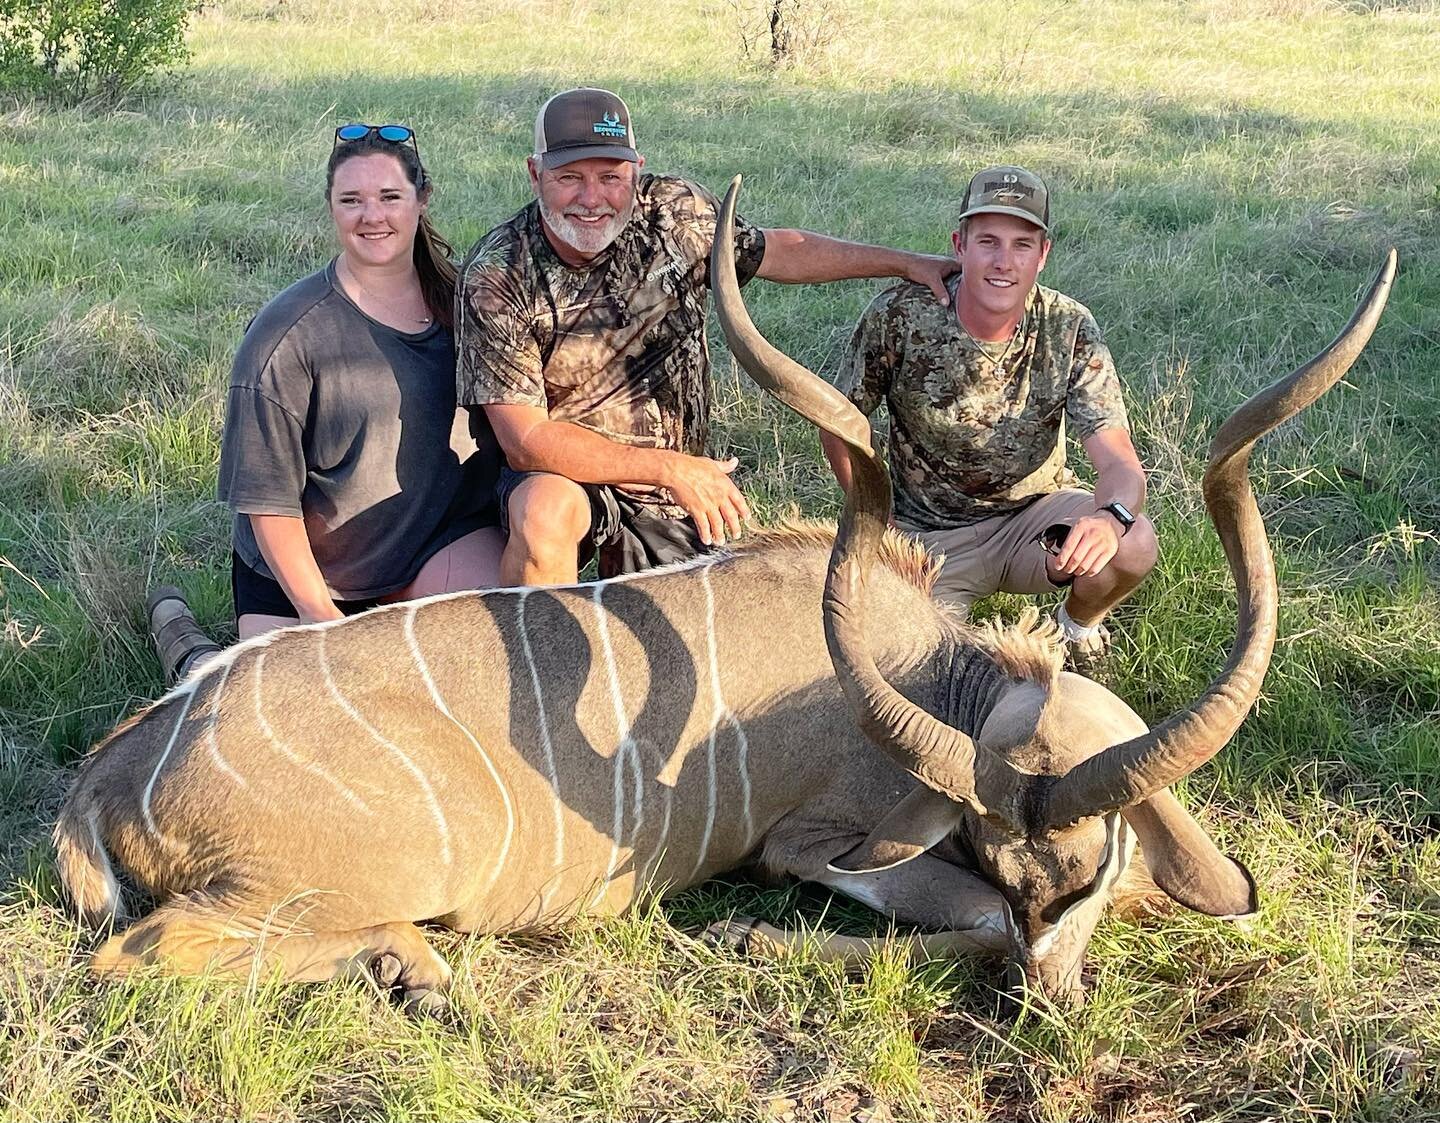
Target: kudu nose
column 1025, row 983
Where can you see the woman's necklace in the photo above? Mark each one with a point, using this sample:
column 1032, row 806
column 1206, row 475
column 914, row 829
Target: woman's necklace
column 404, row 314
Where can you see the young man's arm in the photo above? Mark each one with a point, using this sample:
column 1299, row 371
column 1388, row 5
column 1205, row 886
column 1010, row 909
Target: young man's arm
column 1119, row 478
column 534, row 443
column 801, row 257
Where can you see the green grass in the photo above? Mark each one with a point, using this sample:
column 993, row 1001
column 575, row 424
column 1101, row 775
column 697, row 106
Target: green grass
column 1227, row 176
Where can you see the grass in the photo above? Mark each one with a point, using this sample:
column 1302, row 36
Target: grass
column 1227, row 176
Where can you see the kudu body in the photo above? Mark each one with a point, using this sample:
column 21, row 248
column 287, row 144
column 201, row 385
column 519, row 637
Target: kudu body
column 501, row 761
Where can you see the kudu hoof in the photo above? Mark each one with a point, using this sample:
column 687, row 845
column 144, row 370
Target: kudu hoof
column 425, row 1003
column 733, row 933
column 385, row 970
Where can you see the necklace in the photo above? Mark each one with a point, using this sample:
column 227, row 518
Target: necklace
column 402, row 313
column 983, row 346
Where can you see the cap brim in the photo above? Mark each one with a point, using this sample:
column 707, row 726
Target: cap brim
column 558, row 158
column 1015, row 212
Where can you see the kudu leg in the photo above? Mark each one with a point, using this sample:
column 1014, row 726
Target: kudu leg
column 189, row 937
column 966, row 916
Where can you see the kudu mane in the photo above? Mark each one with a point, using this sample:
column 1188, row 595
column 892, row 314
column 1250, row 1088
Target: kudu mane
column 1027, row 651
column 901, row 555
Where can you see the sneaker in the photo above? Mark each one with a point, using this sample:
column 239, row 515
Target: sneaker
column 1087, row 655
column 1086, row 649
column 179, row 642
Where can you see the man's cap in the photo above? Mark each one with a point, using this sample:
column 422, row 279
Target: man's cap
column 1006, row 189
column 583, row 123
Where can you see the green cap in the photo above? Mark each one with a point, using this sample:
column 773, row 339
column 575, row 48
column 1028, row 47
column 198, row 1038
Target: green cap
column 1006, row 189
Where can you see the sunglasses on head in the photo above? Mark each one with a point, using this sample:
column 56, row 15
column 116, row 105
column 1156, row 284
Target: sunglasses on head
column 395, row 134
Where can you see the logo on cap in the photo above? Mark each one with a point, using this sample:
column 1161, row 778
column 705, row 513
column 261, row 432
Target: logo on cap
column 609, row 125
column 1009, row 190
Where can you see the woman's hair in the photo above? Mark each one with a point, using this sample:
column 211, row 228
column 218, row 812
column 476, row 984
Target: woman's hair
column 432, row 252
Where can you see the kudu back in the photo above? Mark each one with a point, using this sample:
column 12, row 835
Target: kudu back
column 503, row 760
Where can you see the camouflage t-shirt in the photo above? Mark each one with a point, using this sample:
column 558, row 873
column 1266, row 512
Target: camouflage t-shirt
column 617, row 345
column 971, row 437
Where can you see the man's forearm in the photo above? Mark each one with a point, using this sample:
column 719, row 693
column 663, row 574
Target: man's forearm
column 1123, row 484
column 1119, row 477
column 801, row 257
column 585, row 456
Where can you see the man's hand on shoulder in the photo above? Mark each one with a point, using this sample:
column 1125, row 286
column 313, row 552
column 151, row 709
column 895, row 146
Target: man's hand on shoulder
column 932, row 270
column 704, row 488
column 1089, row 546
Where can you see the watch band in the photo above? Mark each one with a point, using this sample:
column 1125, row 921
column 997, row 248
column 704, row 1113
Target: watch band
column 1122, row 516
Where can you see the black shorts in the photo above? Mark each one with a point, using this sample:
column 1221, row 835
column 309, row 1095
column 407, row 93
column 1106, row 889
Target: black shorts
column 256, row 593
column 627, row 534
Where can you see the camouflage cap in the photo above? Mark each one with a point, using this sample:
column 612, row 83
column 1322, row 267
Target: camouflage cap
column 582, row 123
column 1006, row 189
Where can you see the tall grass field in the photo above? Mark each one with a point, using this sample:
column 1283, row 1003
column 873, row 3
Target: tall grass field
column 1226, row 176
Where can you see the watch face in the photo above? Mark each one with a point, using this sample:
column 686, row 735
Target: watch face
column 1121, row 512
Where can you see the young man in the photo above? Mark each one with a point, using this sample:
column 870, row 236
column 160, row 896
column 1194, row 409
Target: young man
column 580, row 328
column 979, row 393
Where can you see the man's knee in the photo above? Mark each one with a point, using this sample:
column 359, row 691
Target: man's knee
column 1138, row 552
column 549, row 511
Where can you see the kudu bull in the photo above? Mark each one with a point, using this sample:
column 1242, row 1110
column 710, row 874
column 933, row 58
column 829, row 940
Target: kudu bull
column 501, row 761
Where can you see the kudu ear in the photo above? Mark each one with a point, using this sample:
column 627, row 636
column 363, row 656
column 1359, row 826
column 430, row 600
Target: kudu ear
column 913, row 825
column 1186, row 864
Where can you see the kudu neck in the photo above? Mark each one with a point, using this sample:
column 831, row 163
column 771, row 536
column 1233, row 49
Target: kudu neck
column 968, row 686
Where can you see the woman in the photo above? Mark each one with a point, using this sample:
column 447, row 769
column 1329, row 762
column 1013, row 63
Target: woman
column 353, row 478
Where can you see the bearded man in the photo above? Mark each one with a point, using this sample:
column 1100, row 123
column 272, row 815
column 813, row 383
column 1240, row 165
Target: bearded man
column 979, row 390
column 580, row 328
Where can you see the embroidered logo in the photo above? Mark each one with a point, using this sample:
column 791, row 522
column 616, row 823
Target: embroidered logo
column 609, row 125
column 675, row 268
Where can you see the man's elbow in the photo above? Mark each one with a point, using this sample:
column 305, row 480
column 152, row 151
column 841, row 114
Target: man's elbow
column 522, row 456
column 518, row 439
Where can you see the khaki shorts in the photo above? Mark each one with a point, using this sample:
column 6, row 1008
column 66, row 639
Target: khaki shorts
column 1001, row 554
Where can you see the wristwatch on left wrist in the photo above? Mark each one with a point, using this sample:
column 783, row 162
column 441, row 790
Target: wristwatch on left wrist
column 1122, row 515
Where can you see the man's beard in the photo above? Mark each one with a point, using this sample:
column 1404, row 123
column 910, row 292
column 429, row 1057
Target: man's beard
column 587, row 240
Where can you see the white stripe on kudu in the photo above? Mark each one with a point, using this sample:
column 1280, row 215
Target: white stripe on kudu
column 546, row 744
column 626, row 753
column 159, row 764
column 293, row 757
column 722, row 716
column 212, row 740
column 409, row 765
column 484, row 756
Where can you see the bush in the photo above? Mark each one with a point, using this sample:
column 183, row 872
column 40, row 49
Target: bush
column 75, row 50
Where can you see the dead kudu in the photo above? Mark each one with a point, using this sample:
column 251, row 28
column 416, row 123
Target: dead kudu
column 501, row 761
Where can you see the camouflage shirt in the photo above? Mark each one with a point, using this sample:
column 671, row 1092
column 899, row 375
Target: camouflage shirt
column 970, row 437
column 617, row 345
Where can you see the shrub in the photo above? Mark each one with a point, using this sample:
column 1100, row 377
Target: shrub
column 75, row 50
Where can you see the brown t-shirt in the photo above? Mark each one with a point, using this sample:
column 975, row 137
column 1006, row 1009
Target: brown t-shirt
column 972, row 437
column 617, row 345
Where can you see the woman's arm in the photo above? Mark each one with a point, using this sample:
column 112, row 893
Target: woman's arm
column 286, row 549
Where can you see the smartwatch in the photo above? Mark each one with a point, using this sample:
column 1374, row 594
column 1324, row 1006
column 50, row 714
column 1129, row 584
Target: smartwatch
column 1122, row 516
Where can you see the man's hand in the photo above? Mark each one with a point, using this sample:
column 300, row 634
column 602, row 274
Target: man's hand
column 1089, row 546
column 931, row 270
column 704, row 488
